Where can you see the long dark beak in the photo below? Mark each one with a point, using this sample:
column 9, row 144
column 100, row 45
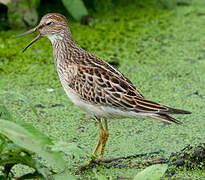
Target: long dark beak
column 29, row 32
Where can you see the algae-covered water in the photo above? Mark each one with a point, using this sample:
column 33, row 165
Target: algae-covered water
column 161, row 49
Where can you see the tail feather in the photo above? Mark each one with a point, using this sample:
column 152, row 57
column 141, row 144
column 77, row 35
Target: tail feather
column 176, row 111
column 166, row 118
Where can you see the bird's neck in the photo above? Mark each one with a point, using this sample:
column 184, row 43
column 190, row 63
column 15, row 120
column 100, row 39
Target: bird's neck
column 64, row 48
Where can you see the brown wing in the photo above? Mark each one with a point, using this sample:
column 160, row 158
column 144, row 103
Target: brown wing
column 102, row 87
column 88, row 60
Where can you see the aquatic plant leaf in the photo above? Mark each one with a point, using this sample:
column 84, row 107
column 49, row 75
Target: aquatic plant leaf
column 64, row 176
column 68, row 148
column 29, row 138
column 154, row 172
column 4, row 113
column 76, row 8
column 100, row 177
column 3, row 178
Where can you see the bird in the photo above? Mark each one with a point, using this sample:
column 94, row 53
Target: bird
column 93, row 84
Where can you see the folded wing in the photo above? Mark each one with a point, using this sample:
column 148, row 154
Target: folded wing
column 100, row 87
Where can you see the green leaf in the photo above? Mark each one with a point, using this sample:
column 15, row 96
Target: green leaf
column 44, row 171
column 100, row 177
column 154, row 172
column 3, row 178
column 30, row 138
column 76, row 8
column 64, row 176
column 68, row 148
column 4, row 113
column 8, row 146
column 2, row 83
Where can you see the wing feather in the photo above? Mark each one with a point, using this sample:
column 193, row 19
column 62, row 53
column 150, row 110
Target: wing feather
column 100, row 87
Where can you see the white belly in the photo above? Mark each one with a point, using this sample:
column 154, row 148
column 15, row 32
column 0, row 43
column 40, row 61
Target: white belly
column 85, row 106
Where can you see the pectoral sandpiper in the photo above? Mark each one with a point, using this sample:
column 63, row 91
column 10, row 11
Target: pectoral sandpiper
column 92, row 84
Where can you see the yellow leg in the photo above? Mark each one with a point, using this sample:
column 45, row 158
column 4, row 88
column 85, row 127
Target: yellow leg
column 102, row 141
column 101, row 136
column 104, row 133
column 105, row 137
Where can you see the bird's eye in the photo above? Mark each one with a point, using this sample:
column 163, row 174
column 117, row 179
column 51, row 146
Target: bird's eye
column 49, row 23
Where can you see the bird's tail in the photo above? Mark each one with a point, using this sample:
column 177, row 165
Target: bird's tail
column 166, row 118
column 177, row 111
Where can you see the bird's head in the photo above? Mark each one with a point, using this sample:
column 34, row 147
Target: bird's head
column 52, row 25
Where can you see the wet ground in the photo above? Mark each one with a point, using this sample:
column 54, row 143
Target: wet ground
column 160, row 48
